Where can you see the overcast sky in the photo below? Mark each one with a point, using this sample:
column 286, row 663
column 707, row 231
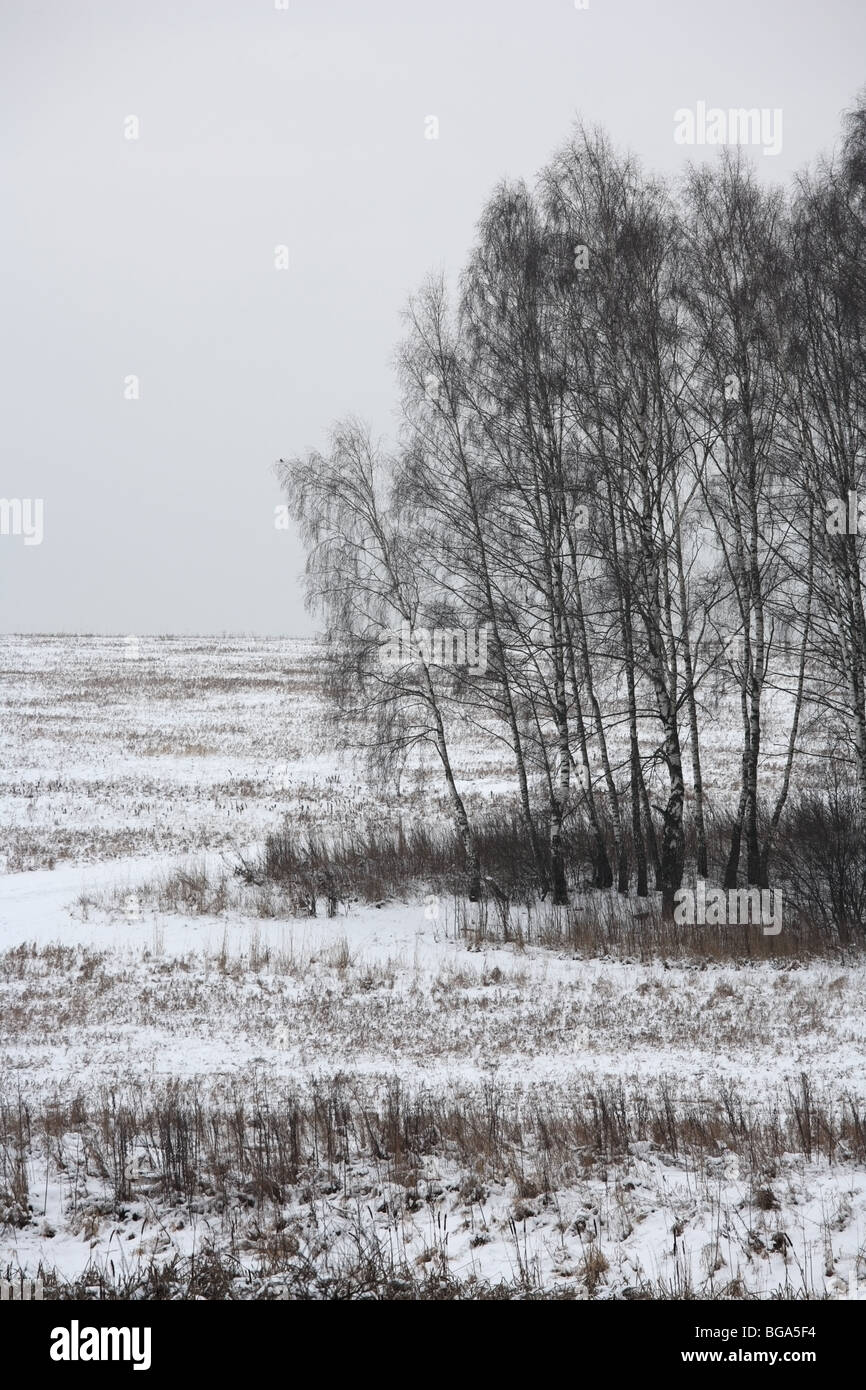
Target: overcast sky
column 261, row 127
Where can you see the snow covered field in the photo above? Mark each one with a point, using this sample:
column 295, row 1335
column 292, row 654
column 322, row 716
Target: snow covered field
column 375, row 1090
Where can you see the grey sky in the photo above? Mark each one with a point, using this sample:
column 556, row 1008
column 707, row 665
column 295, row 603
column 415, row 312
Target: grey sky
column 305, row 127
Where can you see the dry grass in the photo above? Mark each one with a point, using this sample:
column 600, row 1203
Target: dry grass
column 301, row 1192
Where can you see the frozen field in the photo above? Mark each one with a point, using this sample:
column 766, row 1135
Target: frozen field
column 308, row 1095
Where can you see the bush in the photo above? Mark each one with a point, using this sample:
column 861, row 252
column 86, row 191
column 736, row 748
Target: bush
column 819, row 856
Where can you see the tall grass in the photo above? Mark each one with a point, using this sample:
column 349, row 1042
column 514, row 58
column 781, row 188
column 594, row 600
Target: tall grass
column 269, row 1166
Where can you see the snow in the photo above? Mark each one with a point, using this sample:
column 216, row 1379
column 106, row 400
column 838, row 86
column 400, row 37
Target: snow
column 228, row 1003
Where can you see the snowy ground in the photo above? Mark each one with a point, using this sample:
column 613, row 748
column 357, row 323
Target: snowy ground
column 122, row 761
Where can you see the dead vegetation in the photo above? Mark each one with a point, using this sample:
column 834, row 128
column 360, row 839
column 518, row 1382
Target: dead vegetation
column 337, row 1189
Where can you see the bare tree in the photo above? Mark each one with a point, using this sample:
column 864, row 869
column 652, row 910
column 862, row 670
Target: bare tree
column 362, row 575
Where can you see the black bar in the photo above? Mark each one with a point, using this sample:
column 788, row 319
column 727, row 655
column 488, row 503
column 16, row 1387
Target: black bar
column 641, row 1336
